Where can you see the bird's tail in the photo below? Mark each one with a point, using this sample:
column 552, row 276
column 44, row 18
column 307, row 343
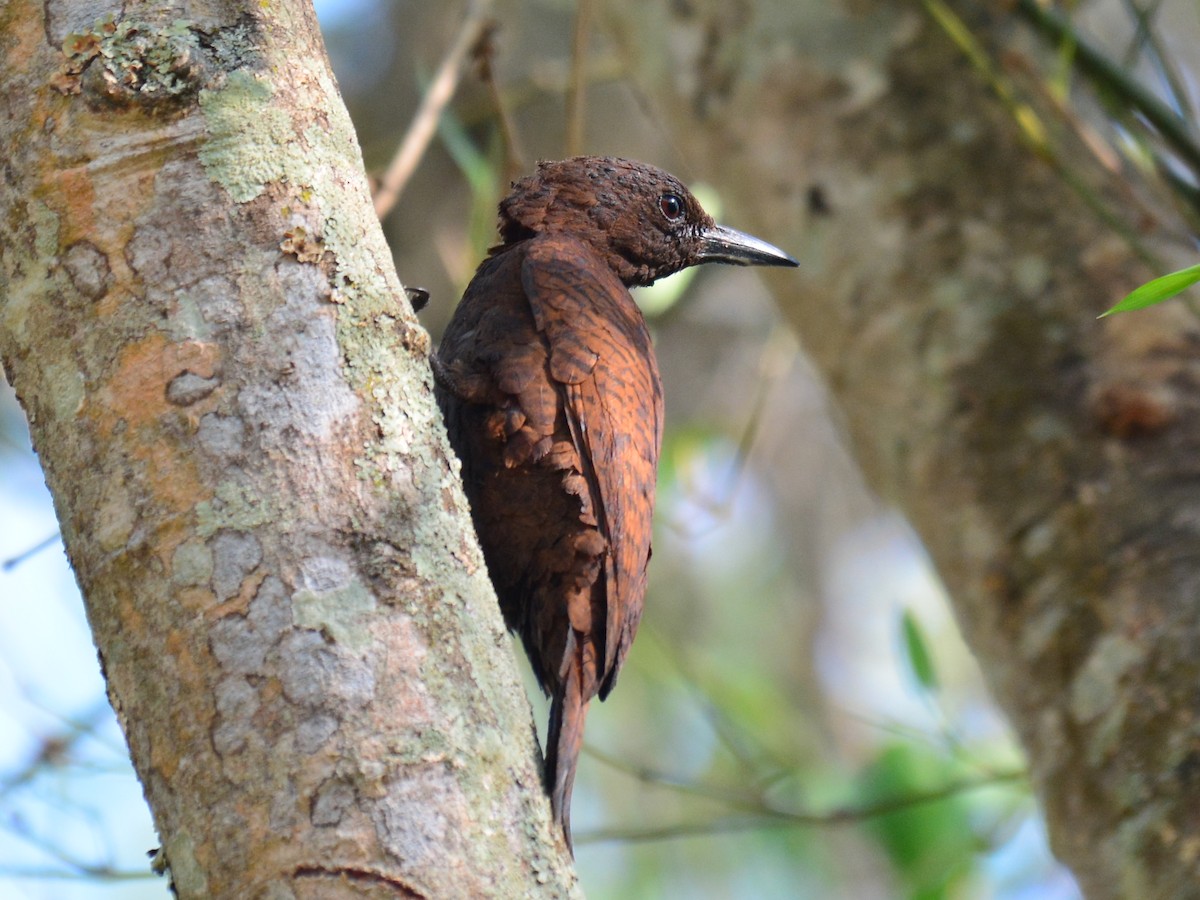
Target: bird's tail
column 564, row 739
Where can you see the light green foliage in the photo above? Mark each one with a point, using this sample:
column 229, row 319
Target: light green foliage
column 1158, row 290
column 482, row 172
column 931, row 846
column 716, row 769
column 917, row 651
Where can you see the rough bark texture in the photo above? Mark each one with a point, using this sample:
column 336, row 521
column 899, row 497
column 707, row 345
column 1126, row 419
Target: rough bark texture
column 952, row 284
column 235, row 415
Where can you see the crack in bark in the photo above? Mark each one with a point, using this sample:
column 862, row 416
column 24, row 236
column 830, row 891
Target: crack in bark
column 359, row 876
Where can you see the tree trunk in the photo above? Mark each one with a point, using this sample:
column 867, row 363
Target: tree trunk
column 234, row 411
column 952, row 285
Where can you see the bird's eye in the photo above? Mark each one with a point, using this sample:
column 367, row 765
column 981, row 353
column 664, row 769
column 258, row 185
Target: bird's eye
column 671, row 206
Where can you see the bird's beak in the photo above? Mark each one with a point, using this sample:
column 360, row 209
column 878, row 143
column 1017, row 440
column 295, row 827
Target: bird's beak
column 727, row 245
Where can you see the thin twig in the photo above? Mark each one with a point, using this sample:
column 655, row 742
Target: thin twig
column 747, row 748
column 1096, row 65
column 13, row 561
column 76, row 868
column 770, row 817
column 734, row 798
column 484, row 53
column 726, row 825
column 424, row 124
column 776, row 359
column 577, row 82
column 1032, row 130
column 55, row 750
column 1146, row 37
column 551, row 81
column 81, row 872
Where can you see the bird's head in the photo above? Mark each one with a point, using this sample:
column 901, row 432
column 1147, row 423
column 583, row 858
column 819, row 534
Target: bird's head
column 643, row 221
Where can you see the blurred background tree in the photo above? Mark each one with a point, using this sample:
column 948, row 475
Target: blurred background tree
column 967, row 189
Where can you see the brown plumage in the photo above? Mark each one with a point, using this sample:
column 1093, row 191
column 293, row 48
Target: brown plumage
column 547, row 380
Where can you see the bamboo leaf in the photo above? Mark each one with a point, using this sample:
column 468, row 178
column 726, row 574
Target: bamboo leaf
column 1158, row 290
column 916, row 648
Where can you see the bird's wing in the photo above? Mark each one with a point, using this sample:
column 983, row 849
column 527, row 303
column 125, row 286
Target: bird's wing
column 602, row 359
column 492, row 358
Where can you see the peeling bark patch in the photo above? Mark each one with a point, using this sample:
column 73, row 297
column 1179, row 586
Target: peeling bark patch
column 415, row 820
column 237, row 701
column 314, row 731
column 87, row 267
column 333, row 798
column 1095, row 689
column 216, row 297
column 192, row 563
column 284, row 816
column 240, row 643
column 22, row 275
column 309, row 395
column 188, row 388
column 222, row 436
column 316, row 675
column 325, row 573
column 344, row 613
column 139, row 386
column 233, row 506
column 237, row 646
column 235, row 555
column 148, row 255
column 269, row 611
column 116, row 516
column 187, row 874
column 65, row 386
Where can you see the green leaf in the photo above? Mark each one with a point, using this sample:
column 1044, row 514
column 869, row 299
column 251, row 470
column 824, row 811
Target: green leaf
column 931, row 845
column 920, row 660
column 1157, row 290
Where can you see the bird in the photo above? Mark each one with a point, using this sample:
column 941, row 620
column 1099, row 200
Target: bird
column 549, row 388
